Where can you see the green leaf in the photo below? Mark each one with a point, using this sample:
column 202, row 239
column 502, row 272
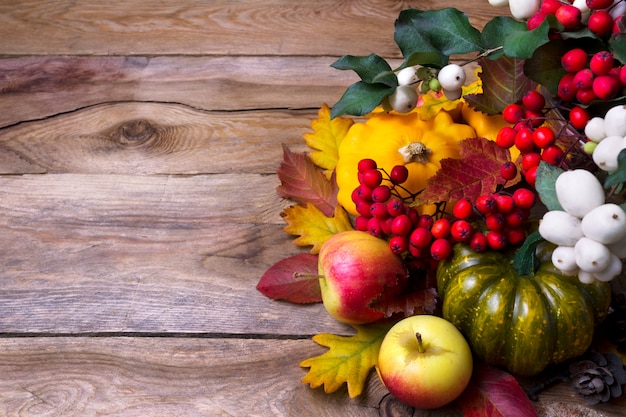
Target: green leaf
column 544, row 184
column 544, row 66
column 361, row 98
column 618, row 47
column 372, row 69
column 618, row 176
column 497, row 29
column 524, row 261
column 522, row 44
column 434, row 35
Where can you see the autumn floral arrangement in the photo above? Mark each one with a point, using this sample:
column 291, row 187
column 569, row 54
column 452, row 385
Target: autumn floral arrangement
column 470, row 229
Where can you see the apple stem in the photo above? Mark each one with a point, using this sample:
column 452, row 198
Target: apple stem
column 306, row 275
column 420, row 345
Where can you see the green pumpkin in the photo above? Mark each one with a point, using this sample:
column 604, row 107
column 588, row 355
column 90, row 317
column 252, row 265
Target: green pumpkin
column 520, row 322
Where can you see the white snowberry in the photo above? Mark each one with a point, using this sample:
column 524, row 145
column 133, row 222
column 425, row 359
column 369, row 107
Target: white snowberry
column 579, row 191
column 451, row 77
column 403, row 99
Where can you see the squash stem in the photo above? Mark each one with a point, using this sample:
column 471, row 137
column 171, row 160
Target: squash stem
column 525, row 260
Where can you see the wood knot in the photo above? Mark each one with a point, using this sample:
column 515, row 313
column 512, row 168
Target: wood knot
column 136, row 131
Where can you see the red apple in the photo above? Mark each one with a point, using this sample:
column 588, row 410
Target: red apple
column 355, row 269
column 425, row 362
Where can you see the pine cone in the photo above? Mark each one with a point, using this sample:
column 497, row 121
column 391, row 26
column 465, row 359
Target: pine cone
column 598, row 377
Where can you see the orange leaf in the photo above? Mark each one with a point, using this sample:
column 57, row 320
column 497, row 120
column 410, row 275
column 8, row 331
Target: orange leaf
column 302, row 181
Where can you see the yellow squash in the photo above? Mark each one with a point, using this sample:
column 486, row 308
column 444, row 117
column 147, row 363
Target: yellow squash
column 398, row 139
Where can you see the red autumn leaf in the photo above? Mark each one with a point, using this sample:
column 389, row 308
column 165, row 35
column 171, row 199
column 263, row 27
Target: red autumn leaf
column 304, row 182
column 292, row 279
column 417, row 302
column 494, row 393
column 476, row 172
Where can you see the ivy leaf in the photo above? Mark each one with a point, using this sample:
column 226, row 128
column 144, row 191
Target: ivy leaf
column 494, row 393
column 312, row 226
column 544, row 184
column 476, row 172
column 503, row 82
column 618, row 47
column 522, row 44
column 302, row 181
column 497, row 29
column 361, row 98
column 372, row 69
column 417, row 302
column 618, row 176
column 349, row 359
column 292, row 279
column 325, row 139
column 430, row 37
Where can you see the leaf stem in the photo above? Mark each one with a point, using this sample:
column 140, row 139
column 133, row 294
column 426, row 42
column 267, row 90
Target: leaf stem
column 483, row 55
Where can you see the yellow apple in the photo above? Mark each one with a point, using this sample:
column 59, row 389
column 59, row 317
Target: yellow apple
column 425, row 362
column 356, row 269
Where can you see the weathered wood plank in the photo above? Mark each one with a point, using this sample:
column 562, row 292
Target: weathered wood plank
column 145, row 27
column 146, row 377
column 153, row 138
column 33, row 88
column 104, row 253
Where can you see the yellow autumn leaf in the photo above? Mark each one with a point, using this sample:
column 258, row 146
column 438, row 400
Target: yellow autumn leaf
column 349, row 359
column 433, row 103
column 325, row 139
column 312, row 226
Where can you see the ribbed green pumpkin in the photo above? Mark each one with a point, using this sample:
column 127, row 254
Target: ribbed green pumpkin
column 520, row 322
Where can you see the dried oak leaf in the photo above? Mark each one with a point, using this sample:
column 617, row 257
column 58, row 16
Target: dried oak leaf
column 476, row 172
column 325, row 139
column 349, row 359
column 292, row 279
column 494, row 393
column 312, row 226
column 304, row 182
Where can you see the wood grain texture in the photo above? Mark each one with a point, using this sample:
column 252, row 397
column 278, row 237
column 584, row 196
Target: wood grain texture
column 145, row 27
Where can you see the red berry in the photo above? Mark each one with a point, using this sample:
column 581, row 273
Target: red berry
column 535, row 119
column 440, row 249
column 379, row 210
column 513, row 113
column 398, row 244
column 586, row 96
column 363, row 208
column 531, row 176
column 381, row 194
column 399, row 174
column 569, row 16
column 584, row 78
column 461, row 230
column 395, row 207
column 535, row 20
column 478, row 242
column 441, row 229
column 413, row 214
column 566, row 88
column 543, row 137
column 515, row 218
column 530, row 160
column 550, row 6
column 463, row 209
column 533, row 100
column 366, row 164
column 371, row 178
column 374, row 227
column 600, row 22
column 486, row 203
column 495, row 221
column 605, row 87
column 401, row 225
column 420, row 238
column 508, row 170
column 622, row 74
column 504, row 203
column 515, row 235
column 601, row 63
column 506, row 137
column 552, row 155
column 524, row 140
column 496, row 240
column 574, row 60
column 579, row 117
column 524, row 198
column 360, row 223
column 598, row 4
column 426, row 221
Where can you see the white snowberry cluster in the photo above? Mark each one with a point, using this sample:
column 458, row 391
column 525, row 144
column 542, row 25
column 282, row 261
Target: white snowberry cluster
column 607, row 137
column 414, row 80
column 590, row 234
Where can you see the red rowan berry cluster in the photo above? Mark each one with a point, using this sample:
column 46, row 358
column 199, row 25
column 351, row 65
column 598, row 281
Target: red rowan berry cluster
column 491, row 222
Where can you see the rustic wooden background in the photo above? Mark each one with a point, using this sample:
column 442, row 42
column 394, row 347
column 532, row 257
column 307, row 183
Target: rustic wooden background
column 138, row 148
